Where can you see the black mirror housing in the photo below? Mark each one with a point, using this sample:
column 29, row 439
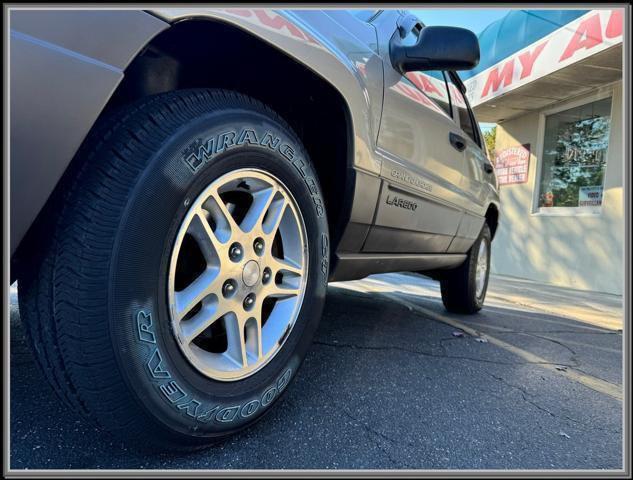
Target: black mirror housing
column 437, row 48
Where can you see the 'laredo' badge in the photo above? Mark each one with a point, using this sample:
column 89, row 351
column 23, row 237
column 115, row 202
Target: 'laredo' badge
column 401, row 202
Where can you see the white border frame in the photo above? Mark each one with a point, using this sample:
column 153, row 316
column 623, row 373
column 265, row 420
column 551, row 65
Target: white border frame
column 599, row 93
column 623, row 472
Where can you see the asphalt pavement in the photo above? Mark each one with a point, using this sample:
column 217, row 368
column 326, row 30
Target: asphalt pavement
column 394, row 382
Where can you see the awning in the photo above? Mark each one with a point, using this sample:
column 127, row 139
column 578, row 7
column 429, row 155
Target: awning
column 531, row 59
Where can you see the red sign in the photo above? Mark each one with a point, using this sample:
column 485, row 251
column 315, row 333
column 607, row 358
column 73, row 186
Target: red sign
column 512, row 164
column 589, row 34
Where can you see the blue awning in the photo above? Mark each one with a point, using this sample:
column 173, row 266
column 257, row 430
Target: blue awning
column 515, row 31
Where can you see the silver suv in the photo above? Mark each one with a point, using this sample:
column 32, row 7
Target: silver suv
column 185, row 182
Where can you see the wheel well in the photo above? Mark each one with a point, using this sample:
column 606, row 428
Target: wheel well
column 492, row 219
column 212, row 54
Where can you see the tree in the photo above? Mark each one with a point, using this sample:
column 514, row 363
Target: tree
column 490, row 137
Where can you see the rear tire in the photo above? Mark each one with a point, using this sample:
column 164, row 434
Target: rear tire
column 95, row 303
column 459, row 286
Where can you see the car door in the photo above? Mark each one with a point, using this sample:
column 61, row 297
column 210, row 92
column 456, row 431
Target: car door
column 477, row 171
column 422, row 200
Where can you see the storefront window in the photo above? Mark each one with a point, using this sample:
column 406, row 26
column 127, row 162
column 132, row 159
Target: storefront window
column 575, row 156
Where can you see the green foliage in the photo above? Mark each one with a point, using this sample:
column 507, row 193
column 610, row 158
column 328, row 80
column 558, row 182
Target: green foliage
column 490, row 137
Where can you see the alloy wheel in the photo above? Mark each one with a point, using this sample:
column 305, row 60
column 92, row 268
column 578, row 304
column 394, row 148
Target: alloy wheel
column 481, row 272
column 238, row 273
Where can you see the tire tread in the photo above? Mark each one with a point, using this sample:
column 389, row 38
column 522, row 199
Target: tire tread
column 63, row 291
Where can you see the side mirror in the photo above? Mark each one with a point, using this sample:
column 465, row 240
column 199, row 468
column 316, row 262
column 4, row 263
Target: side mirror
column 437, row 48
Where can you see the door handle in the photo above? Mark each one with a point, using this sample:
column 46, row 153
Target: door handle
column 457, row 142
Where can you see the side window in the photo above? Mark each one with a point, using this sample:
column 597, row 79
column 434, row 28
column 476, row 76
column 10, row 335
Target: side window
column 464, row 115
column 364, row 15
column 430, row 83
column 433, row 85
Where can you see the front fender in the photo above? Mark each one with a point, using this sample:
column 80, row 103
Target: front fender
column 314, row 39
column 63, row 67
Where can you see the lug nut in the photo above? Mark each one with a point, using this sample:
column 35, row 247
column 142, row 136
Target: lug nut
column 235, row 252
column 258, row 246
column 249, row 301
column 228, row 289
column 266, row 275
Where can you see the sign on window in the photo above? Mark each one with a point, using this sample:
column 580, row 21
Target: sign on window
column 590, row 196
column 512, row 164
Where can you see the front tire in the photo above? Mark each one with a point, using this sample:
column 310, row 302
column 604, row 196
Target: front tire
column 107, row 308
column 464, row 288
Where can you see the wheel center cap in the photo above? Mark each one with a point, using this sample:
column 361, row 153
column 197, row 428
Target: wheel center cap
column 250, row 273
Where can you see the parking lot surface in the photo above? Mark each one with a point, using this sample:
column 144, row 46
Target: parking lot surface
column 393, row 381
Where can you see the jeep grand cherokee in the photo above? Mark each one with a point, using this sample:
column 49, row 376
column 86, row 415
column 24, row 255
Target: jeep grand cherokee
column 186, row 181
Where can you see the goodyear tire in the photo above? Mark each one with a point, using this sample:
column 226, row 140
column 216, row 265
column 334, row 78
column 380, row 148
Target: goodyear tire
column 464, row 288
column 98, row 305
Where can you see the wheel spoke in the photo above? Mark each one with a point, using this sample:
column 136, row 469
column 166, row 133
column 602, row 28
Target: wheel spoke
column 284, row 265
column 202, row 320
column 276, row 210
column 226, row 226
column 281, row 291
column 210, row 245
column 236, row 344
column 197, row 290
column 254, row 336
column 291, row 274
column 262, row 202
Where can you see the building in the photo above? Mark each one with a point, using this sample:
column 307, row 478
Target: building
column 552, row 81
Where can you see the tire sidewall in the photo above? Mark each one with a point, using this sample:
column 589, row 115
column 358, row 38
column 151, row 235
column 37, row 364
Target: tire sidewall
column 483, row 237
column 172, row 392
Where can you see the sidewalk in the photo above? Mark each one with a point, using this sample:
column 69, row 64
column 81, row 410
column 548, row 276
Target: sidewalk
column 600, row 309
column 594, row 308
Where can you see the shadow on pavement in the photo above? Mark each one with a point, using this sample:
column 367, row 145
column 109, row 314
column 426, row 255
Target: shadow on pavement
column 382, row 387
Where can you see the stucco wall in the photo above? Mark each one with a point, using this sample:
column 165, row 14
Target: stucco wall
column 583, row 252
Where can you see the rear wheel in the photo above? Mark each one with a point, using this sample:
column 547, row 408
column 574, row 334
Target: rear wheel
column 464, row 288
column 187, row 271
